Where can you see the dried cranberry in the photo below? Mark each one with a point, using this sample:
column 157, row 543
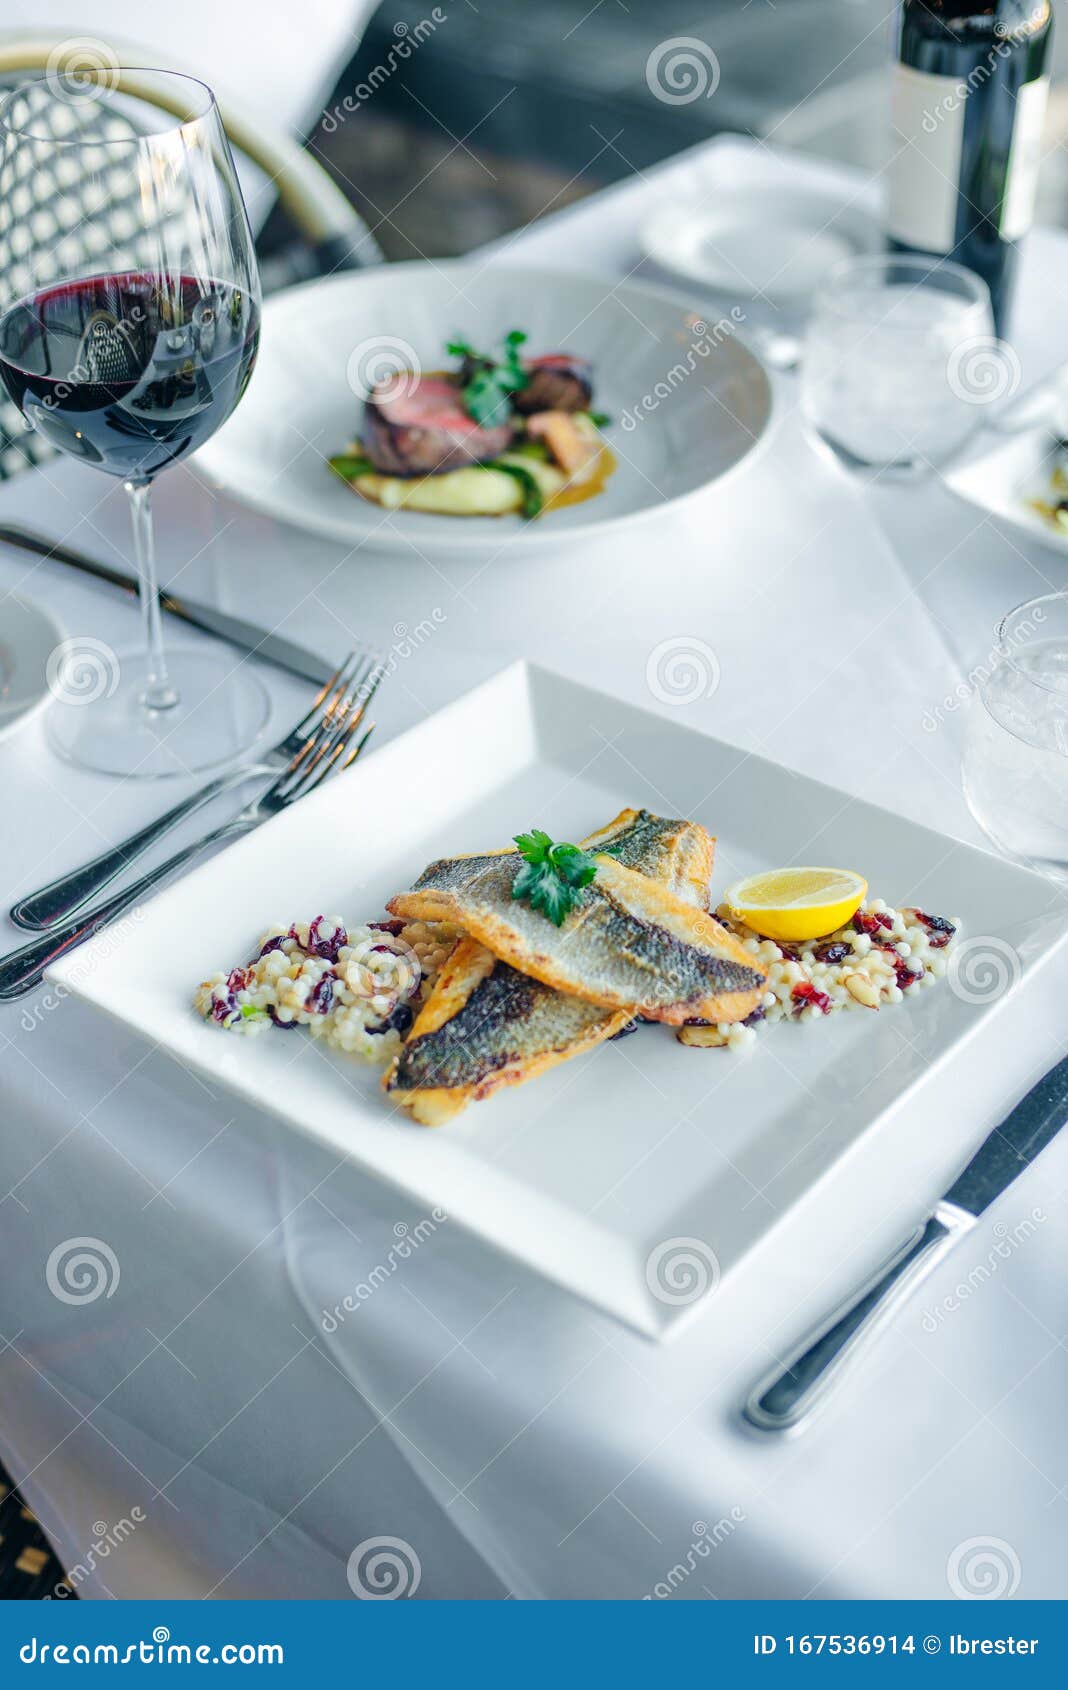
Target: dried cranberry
column 269, row 945
column 286, row 1026
column 903, row 974
column 393, row 927
column 754, row 1016
column 805, row 993
column 236, row 980
column 320, row 999
column 326, row 944
column 788, row 953
column 223, row 1008
column 625, row 1031
column 401, row 1019
column 836, row 952
column 873, row 922
column 940, row 930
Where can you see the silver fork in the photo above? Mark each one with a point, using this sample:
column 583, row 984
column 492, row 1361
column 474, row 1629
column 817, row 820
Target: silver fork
column 332, row 746
column 40, row 911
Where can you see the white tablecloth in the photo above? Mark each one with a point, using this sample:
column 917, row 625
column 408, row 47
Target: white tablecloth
column 516, row 1441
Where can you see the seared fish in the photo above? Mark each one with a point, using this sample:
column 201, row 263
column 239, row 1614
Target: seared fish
column 485, row 1025
column 628, row 943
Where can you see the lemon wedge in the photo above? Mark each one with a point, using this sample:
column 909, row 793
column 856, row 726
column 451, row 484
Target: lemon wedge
column 795, row 904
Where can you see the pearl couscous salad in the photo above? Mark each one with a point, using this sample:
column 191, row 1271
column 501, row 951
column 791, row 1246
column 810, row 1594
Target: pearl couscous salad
column 356, row 988
column 881, row 956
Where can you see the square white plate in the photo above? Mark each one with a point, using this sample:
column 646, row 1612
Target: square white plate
column 587, row 1172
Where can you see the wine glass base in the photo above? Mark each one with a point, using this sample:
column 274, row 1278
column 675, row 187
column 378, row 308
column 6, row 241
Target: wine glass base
column 222, row 710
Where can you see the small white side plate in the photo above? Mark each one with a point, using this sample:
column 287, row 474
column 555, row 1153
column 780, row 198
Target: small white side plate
column 28, row 637
column 598, row 1173
column 762, row 243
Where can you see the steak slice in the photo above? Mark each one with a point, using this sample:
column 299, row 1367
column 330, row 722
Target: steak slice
column 417, row 425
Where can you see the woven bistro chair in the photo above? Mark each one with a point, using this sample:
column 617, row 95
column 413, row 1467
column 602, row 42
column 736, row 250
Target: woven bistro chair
column 330, row 234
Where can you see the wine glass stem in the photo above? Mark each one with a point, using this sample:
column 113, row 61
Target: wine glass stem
column 159, row 694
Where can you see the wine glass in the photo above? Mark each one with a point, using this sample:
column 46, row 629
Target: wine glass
column 129, row 323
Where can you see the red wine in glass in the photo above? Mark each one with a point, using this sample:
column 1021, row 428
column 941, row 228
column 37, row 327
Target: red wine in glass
column 129, row 321
column 129, row 373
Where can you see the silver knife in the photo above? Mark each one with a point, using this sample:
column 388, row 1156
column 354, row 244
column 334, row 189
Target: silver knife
column 786, row 1398
column 246, row 636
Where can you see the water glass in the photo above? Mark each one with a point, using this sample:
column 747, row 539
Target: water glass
column 900, row 358
column 1016, row 748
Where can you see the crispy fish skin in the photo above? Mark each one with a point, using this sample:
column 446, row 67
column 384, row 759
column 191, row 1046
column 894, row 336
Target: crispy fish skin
column 628, row 943
column 677, row 853
column 485, row 1025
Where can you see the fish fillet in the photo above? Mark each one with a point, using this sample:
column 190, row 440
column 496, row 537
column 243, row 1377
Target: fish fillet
column 485, row 1025
column 628, row 943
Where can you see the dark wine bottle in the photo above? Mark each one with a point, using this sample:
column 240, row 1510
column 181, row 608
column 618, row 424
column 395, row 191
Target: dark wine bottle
column 969, row 99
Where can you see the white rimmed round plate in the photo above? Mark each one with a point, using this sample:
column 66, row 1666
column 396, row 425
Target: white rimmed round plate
column 28, row 637
column 688, row 400
column 769, row 243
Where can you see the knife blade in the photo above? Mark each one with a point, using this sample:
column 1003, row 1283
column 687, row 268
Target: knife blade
column 787, row 1397
column 246, row 636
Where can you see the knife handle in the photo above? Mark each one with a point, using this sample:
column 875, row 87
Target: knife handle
column 787, row 1397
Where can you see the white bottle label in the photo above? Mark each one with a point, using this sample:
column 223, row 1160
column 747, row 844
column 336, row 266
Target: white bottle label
column 1025, row 156
column 927, row 115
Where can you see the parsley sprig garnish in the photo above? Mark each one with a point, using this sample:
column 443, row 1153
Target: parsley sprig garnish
column 492, row 381
column 552, row 875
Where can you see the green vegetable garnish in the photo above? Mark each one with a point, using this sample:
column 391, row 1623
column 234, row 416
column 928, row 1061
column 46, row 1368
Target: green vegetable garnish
column 599, row 419
column 249, row 1012
column 487, row 395
column 532, row 494
column 552, row 875
column 535, row 449
column 350, row 464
